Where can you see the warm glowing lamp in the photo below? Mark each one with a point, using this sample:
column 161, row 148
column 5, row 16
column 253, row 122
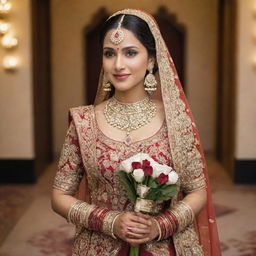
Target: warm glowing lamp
column 9, row 41
column 10, row 63
column 4, row 27
column 5, row 7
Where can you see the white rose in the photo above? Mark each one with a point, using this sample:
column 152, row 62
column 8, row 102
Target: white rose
column 168, row 169
column 126, row 166
column 160, row 168
column 156, row 172
column 172, row 178
column 138, row 175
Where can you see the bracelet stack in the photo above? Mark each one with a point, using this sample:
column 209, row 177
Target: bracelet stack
column 167, row 224
column 79, row 213
column 108, row 223
column 173, row 220
column 184, row 215
column 92, row 217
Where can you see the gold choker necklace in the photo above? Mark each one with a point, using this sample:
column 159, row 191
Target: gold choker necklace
column 129, row 116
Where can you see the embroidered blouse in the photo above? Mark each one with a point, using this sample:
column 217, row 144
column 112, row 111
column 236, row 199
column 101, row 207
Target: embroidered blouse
column 102, row 159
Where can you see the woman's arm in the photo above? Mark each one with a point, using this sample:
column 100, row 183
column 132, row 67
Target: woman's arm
column 61, row 202
column 196, row 200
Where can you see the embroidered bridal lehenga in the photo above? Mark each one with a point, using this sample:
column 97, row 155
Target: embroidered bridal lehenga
column 89, row 155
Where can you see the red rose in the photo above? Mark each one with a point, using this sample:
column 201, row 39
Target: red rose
column 136, row 165
column 148, row 170
column 145, row 163
column 162, row 178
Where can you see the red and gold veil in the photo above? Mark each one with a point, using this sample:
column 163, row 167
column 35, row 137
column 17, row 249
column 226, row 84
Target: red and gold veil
column 186, row 151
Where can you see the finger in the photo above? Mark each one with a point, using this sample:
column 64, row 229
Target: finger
column 137, row 225
column 137, row 230
column 141, row 220
column 131, row 235
column 143, row 215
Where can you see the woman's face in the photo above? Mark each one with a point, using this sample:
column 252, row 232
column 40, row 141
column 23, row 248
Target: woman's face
column 125, row 64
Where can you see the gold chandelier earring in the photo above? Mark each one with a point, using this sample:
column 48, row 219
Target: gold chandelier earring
column 150, row 81
column 106, row 85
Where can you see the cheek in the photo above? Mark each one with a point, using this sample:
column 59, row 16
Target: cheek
column 139, row 65
column 105, row 65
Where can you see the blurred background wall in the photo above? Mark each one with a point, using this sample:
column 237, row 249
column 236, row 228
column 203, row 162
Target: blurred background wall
column 16, row 89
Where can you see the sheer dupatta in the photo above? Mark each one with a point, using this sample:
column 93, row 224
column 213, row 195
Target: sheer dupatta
column 186, row 150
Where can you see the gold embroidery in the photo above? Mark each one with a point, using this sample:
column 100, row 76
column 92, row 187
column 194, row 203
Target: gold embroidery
column 104, row 185
column 187, row 243
column 70, row 168
column 158, row 247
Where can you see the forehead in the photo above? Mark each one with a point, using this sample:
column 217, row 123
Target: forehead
column 129, row 39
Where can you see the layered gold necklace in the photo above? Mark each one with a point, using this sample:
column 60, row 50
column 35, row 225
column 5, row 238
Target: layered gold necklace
column 129, row 116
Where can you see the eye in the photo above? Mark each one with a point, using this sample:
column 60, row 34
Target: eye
column 108, row 54
column 130, row 53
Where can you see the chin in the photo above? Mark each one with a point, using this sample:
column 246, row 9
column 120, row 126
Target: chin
column 121, row 87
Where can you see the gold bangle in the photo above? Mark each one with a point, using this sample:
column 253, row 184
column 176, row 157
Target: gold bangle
column 112, row 226
column 108, row 223
column 73, row 208
column 184, row 214
column 159, row 230
column 79, row 213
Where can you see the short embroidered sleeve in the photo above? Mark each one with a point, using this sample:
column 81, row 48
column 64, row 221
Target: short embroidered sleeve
column 193, row 177
column 70, row 168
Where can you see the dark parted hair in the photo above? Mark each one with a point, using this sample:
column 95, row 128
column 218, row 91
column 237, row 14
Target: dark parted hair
column 137, row 26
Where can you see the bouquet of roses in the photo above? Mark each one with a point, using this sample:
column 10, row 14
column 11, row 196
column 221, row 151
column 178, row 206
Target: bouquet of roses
column 147, row 182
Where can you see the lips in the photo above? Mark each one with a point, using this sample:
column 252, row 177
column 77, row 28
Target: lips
column 121, row 76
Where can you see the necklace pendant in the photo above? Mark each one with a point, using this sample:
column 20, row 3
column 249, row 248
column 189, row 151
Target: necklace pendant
column 128, row 140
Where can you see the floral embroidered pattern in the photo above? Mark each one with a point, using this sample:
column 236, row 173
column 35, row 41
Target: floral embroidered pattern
column 70, row 168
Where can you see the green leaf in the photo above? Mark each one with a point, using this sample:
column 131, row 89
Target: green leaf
column 132, row 180
column 153, row 193
column 163, row 198
column 128, row 184
column 169, row 189
column 153, row 183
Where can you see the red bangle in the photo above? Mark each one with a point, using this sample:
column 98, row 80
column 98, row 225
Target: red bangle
column 96, row 218
column 167, row 223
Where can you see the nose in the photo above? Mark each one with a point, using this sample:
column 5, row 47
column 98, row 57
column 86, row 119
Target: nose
column 119, row 65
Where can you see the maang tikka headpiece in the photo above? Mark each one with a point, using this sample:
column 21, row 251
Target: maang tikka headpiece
column 118, row 35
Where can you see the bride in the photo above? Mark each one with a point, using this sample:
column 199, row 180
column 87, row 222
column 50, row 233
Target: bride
column 140, row 107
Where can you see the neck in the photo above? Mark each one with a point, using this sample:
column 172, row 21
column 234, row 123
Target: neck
column 130, row 96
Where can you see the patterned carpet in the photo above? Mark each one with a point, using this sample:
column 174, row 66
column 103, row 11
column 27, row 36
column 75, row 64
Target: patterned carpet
column 29, row 227
column 14, row 200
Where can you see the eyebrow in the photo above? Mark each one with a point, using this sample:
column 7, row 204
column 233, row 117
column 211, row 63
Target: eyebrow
column 125, row 48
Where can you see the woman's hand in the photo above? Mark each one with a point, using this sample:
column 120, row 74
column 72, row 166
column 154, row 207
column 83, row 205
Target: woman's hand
column 135, row 228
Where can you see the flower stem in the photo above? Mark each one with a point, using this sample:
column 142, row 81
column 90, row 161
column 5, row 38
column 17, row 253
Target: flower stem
column 134, row 251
